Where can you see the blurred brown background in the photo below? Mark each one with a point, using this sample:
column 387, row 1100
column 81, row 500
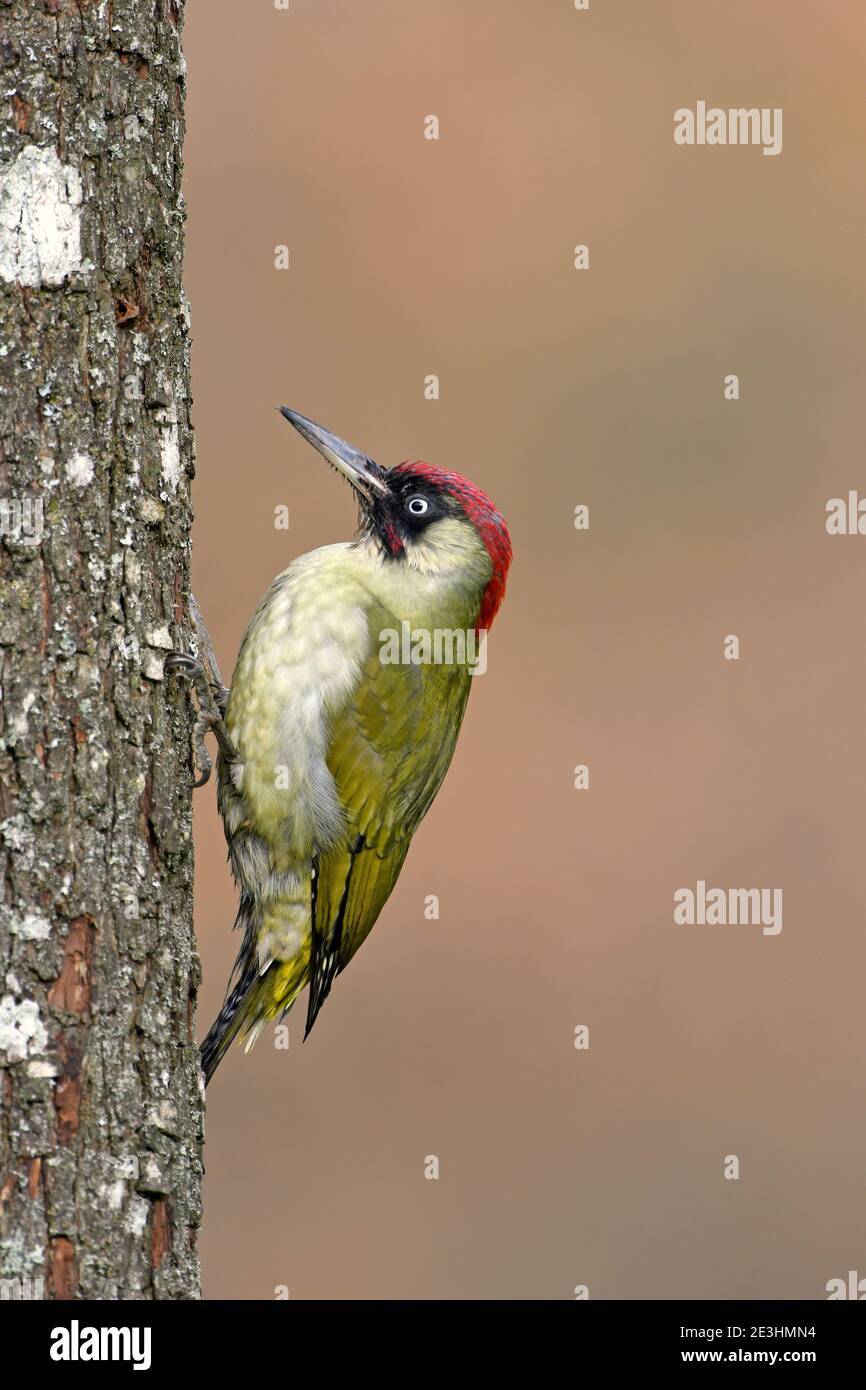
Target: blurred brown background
column 411, row 257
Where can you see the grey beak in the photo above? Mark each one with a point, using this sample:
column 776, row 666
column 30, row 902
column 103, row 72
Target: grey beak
column 364, row 475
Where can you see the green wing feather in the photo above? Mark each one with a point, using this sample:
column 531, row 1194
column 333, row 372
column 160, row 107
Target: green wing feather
column 389, row 751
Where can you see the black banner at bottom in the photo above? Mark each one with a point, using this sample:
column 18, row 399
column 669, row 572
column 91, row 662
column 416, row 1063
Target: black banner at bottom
column 257, row 1340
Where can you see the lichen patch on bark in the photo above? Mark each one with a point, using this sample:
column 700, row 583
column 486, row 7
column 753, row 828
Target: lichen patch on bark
column 40, row 218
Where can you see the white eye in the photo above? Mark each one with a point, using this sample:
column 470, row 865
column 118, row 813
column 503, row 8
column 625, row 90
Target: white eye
column 418, row 506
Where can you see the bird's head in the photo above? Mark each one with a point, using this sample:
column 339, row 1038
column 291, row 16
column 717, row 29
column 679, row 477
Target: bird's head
column 422, row 516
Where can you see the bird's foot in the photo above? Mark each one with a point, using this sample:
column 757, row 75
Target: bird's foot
column 209, row 716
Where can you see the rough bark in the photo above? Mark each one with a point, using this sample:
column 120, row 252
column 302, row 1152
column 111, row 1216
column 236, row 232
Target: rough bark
column 100, row 1125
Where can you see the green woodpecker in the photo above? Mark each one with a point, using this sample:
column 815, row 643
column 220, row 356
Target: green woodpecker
column 337, row 732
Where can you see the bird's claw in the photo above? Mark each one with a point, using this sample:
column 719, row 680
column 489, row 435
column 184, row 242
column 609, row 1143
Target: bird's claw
column 185, row 666
column 208, row 717
column 182, row 664
column 203, row 759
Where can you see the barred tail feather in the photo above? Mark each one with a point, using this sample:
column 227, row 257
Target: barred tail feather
column 227, row 1023
column 255, row 1000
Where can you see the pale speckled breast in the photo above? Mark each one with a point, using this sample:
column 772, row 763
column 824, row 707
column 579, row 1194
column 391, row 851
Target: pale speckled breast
column 298, row 663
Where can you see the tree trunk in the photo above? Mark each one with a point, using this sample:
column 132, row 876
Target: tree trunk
column 100, row 1125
